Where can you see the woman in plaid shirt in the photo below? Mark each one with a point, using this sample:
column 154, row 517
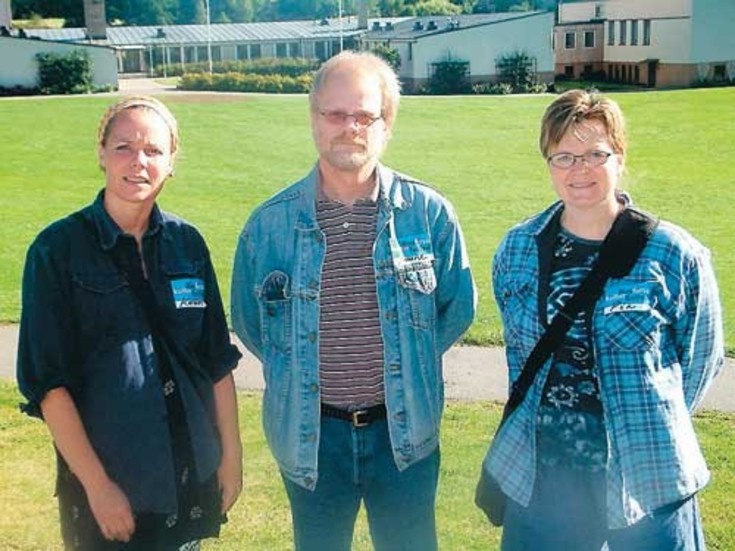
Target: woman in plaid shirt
column 602, row 453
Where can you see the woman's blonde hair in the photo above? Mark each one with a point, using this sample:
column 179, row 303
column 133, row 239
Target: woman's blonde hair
column 574, row 108
column 139, row 102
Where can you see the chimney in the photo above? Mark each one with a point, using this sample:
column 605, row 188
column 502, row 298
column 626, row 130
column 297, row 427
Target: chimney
column 6, row 14
column 95, row 19
column 362, row 14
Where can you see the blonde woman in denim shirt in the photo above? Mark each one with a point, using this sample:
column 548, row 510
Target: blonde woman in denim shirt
column 602, row 453
column 124, row 352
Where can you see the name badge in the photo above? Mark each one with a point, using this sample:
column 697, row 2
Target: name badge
column 622, row 308
column 188, row 293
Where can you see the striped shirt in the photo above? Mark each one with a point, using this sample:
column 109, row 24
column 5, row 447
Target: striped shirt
column 350, row 342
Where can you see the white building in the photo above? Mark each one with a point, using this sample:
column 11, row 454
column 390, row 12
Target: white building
column 18, row 65
column 658, row 43
column 479, row 40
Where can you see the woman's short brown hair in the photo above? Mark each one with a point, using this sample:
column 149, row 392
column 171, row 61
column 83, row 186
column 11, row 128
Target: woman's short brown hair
column 576, row 107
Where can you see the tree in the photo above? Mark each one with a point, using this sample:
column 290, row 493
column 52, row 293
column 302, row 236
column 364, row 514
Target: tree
column 391, row 55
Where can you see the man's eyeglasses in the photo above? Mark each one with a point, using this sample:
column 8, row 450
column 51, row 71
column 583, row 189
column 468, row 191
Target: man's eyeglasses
column 361, row 118
column 595, row 157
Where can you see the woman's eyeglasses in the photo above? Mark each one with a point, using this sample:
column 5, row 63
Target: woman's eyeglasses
column 596, row 157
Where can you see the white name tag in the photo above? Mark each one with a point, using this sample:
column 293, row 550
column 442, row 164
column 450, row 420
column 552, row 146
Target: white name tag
column 618, row 308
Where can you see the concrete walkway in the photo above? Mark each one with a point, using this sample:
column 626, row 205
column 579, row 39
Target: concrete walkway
column 470, row 372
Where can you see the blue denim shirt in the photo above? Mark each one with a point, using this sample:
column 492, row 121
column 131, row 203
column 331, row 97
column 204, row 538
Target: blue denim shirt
column 657, row 344
column 82, row 328
column 426, row 298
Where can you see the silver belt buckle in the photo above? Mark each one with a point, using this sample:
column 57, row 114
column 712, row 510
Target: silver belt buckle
column 356, row 422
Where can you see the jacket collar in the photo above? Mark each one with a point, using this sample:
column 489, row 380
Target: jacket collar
column 108, row 231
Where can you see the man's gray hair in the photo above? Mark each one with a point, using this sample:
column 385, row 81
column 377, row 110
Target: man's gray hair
column 390, row 86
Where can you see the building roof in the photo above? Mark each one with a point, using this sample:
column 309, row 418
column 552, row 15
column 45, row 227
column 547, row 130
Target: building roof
column 328, row 29
column 417, row 27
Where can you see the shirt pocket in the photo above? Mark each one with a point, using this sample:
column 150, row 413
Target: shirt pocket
column 275, row 299
column 186, row 301
column 632, row 319
column 102, row 305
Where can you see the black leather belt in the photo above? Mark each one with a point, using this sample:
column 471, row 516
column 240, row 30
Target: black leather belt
column 359, row 418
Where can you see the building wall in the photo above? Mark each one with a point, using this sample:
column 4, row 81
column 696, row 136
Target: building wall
column 713, row 31
column 580, row 54
column 670, row 40
column 481, row 46
column 18, row 66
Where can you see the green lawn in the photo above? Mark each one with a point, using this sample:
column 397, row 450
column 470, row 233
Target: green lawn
column 260, row 521
column 480, row 151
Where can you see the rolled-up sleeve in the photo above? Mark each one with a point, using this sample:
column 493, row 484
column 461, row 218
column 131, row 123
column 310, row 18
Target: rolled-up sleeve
column 46, row 342
column 218, row 355
column 700, row 335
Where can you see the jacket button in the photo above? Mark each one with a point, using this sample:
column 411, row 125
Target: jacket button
column 314, row 387
column 312, row 336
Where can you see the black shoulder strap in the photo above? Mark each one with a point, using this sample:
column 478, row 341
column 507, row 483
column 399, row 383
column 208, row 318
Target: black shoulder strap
column 618, row 254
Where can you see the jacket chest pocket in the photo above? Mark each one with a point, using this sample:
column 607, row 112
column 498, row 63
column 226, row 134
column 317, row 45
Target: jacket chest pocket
column 275, row 298
column 103, row 306
column 417, row 280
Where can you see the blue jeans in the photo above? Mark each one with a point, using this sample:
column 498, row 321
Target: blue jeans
column 356, row 464
column 568, row 513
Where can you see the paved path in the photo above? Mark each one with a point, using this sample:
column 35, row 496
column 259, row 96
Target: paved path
column 471, row 373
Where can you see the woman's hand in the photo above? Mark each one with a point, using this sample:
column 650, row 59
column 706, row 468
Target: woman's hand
column 229, row 475
column 111, row 510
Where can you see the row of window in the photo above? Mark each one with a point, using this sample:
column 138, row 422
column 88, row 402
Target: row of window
column 634, row 25
column 623, row 37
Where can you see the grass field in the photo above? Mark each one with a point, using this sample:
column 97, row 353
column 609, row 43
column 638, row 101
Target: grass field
column 480, row 151
column 260, row 521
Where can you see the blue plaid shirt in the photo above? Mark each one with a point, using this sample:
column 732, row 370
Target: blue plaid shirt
column 657, row 343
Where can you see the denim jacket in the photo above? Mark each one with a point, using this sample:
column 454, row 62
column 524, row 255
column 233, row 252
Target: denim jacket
column 657, row 344
column 426, row 298
column 82, row 328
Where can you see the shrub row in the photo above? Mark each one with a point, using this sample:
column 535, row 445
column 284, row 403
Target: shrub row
column 292, row 67
column 239, row 82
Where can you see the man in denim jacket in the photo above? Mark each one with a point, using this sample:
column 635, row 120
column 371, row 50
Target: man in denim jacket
column 349, row 286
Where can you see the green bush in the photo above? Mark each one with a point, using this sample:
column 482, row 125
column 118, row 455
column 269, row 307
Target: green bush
column 449, row 77
column 64, row 73
column 239, row 82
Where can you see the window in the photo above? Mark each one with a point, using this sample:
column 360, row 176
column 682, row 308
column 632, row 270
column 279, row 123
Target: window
column 295, row 49
column 216, row 53
column 255, row 51
column 569, row 41
column 719, row 73
column 623, row 32
column 320, row 51
column 281, row 49
column 174, row 55
column 569, row 71
column 634, row 32
column 589, row 39
column 242, row 51
column 202, row 53
column 646, row 32
column 637, row 74
column 610, row 33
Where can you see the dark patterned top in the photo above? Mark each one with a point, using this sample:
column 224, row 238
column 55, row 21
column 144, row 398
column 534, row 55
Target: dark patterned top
column 570, row 426
column 350, row 342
